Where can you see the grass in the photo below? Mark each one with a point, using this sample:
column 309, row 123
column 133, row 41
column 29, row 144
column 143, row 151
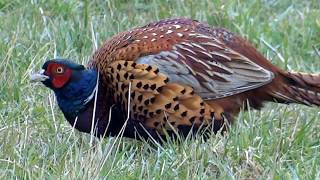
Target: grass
column 279, row 142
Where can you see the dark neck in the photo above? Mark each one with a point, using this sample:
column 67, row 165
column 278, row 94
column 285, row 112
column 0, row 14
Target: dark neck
column 100, row 109
column 84, row 118
column 79, row 113
column 75, row 96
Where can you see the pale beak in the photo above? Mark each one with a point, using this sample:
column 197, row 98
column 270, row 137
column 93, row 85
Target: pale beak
column 38, row 77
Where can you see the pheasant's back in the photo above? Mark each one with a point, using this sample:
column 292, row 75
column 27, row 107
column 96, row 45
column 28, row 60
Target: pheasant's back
column 152, row 39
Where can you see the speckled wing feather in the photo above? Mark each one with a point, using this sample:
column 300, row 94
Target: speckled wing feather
column 153, row 100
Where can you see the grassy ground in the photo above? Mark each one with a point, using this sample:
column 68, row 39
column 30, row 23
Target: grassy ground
column 278, row 142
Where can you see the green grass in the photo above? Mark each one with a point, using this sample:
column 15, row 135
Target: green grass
column 279, row 142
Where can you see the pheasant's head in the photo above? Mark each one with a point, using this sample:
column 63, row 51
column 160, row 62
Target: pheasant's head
column 73, row 84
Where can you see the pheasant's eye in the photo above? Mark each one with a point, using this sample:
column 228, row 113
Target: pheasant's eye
column 59, row 70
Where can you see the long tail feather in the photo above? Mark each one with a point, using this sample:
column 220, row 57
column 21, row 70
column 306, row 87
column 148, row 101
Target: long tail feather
column 300, row 88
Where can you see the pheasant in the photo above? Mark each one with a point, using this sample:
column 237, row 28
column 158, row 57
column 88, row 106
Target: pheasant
column 174, row 76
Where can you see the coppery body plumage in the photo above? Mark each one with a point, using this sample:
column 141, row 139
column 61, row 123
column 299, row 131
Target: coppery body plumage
column 217, row 70
column 179, row 73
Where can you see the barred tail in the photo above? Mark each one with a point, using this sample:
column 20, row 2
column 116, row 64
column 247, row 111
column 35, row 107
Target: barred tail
column 302, row 88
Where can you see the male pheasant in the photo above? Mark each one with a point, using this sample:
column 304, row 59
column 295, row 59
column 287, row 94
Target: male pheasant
column 171, row 77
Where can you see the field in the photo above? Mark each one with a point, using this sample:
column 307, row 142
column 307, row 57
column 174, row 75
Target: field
column 278, row 142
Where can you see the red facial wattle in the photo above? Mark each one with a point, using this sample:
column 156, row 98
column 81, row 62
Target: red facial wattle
column 58, row 79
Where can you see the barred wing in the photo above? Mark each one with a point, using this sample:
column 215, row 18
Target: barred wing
column 209, row 66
